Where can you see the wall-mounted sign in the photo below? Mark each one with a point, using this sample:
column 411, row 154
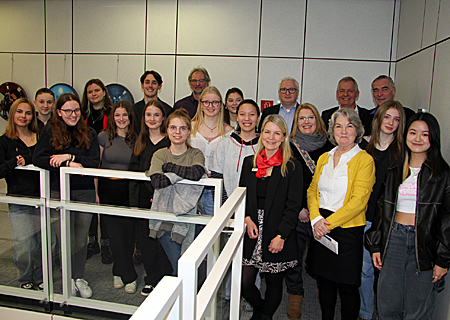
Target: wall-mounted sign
column 118, row 92
column 9, row 92
column 61, row 88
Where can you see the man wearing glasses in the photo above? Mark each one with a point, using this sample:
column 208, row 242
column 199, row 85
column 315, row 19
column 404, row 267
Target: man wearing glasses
column 288, row 94
column 346, row 94
column 198, row 80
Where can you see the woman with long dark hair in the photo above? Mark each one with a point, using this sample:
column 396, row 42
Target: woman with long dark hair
column 116, row 145
column 95, row 106
column 151, row 138
column 233, row 98
column 409, row 238
column 67, row 141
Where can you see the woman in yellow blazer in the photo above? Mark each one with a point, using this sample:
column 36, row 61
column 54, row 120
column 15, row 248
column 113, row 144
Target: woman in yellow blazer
column 337, row 202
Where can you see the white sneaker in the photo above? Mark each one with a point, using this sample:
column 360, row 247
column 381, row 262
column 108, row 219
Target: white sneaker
column 83, row 288
column 131, row 287
column 74, row 288
column 118, row 283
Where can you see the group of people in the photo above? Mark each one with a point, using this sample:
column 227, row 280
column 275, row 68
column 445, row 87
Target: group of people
column 330, row 182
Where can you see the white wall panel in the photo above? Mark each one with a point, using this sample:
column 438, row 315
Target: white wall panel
column 440, row 103
column 272, row 71
column 161, row 26
column 59, row 25
column 165, row 66
column 413, row 80
column 218, row 27
column 5, row 67
column 444, row 20
column 282, row 29
column 224, row 72
column 109, row 26
column 29, row 72
column 22, row 26
column 349, row 29
column 321, row 79
column 410, row 27
column 59, row 69
column 430, row 22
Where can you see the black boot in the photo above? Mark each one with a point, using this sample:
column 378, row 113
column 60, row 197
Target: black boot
column 107, row 257
column 92, row 247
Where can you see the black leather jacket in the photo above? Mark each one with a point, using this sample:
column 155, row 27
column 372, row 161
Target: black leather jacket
column 432, row 217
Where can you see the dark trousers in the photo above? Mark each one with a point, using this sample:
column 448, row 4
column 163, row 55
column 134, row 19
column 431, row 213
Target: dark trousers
column 348, row 293
column 156, row 263
column 93, row 229
column 294, row 279
column 115, row 192
column 251, row 293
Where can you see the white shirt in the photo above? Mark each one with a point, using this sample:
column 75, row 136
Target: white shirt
column 333, row 181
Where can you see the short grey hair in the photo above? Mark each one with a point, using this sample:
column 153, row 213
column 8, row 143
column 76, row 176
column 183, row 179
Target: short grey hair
column 289, row 79
column 352, row 117
column 200, row 69
column 384, row 77
column 348, row 79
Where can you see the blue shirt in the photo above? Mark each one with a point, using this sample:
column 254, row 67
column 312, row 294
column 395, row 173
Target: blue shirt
column 288, row 115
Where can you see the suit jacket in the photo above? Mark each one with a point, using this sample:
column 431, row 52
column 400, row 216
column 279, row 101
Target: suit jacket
column 138, row 109
column 364, row 115
column 275, row 109
column 282, row 204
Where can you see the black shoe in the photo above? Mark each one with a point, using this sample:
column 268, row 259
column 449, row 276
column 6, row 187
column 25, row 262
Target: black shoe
column 92, row 247
column 27, row 285
column 148, row 288
column 107, row 257
column 137, row 257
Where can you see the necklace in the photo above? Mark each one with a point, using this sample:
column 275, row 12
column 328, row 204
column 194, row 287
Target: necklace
column 212, row 129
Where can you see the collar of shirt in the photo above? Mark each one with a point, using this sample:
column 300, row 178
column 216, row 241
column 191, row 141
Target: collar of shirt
column 288, row 110
column 348, row 155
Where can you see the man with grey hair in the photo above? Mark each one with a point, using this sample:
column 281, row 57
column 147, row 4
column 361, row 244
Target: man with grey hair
column 198, row 80
column 346, row 94
column 383, row 89
column 288, row 94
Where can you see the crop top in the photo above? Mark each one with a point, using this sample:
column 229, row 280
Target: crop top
column 407, row 193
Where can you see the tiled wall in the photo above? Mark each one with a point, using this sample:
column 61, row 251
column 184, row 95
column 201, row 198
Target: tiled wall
column 423, row 75
column 251, row 44
column 423, row 54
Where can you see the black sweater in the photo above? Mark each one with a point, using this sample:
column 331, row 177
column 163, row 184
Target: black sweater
column 19, row 182
column 88, row 158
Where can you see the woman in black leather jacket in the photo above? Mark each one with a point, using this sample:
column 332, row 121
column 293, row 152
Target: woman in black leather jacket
column 409, row 239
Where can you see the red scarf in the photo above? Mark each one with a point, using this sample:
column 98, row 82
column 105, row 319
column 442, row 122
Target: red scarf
column 263, row 163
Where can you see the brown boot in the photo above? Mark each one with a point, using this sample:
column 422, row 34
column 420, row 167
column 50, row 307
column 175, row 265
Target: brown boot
column 294, row 311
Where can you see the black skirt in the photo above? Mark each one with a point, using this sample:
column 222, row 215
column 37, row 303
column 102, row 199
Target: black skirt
column 344, row 267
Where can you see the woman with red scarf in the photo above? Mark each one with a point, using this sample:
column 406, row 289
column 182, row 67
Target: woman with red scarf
column 274, row 182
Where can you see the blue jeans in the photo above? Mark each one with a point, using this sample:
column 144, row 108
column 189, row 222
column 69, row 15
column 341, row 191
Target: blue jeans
column 207, row 201
column 172, row 249
column 26, row 236
column 404, row 293
column 367, row 279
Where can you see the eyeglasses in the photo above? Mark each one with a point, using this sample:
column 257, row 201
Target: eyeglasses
column 173, row 129
column 68, row 112
column 194, row 81
column 310, row 118
column 285, row 90
column 215, row 103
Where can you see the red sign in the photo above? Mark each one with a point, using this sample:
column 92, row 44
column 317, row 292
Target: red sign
column 266, row 104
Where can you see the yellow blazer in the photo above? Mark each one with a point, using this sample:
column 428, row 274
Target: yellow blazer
column 361, row 178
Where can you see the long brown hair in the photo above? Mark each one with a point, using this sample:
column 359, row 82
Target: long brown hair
column 141, row 141
column 86, row 104
column 376, row 127
column 130, row 137
column 10, row 131
column 62, row 137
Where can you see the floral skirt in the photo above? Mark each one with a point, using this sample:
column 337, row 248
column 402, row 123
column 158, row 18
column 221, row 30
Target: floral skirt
column 256, row 259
